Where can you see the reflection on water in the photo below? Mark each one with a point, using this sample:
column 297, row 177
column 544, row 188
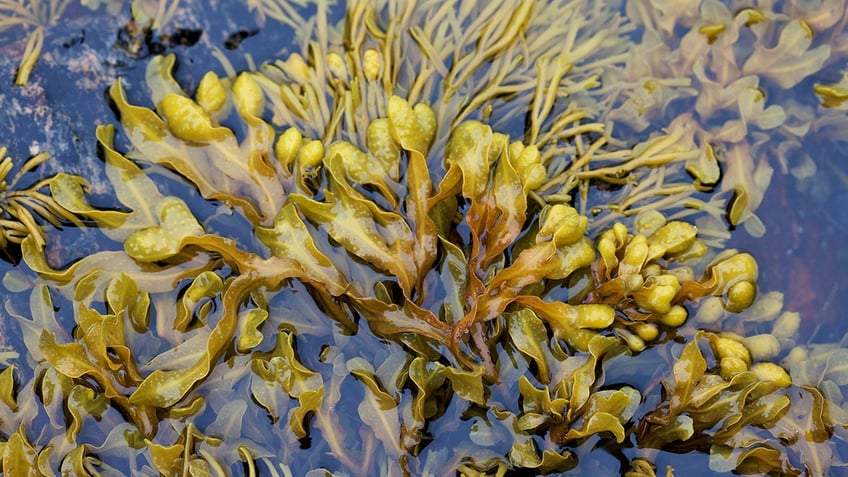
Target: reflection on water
column 378, row 403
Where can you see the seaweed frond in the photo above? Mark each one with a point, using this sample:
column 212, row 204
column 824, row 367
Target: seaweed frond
column 19, row 207
column 35, row 16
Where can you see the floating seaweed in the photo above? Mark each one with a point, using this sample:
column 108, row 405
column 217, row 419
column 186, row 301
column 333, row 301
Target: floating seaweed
column 20, row 206
column 413, row 283
column 731, row 71
column 36, row 15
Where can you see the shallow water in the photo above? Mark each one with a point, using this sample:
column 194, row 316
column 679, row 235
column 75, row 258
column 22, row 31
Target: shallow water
column 804, row 253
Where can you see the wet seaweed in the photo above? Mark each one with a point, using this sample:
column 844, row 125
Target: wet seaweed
column 419, row 285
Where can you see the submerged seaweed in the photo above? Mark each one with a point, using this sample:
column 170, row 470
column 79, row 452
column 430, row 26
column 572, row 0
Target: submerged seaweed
column 444, row 260
column 19, row 206
column 34, row 15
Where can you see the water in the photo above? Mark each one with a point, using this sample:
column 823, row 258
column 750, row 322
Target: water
column 803, row 254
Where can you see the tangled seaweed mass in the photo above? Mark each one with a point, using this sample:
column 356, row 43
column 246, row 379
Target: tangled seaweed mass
column 469, row 238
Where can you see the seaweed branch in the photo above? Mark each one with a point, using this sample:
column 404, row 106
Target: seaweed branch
column 35, row 16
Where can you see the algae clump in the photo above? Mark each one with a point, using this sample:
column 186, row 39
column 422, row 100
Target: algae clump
column 442, row 258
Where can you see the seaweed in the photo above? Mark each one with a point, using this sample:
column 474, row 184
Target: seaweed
column 414, row 284
column 37, row 15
